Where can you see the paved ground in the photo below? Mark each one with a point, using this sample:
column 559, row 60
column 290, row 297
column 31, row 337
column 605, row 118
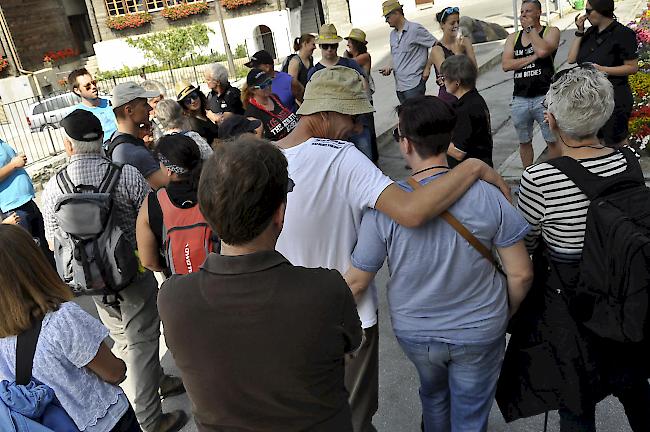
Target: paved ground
column 399, row 406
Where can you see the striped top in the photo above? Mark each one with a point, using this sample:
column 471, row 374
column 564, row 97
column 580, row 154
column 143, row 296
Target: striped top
column 557, row 209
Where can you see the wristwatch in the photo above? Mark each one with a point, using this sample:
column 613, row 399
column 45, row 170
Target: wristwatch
column 528, row 29
column 579, row 33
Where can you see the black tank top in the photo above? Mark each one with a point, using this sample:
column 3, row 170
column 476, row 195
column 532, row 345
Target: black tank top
column 447, row 53
column 535, row 79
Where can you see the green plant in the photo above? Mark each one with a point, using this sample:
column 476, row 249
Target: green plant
column 241, row 51
column 234, row 4
column 184, row 10
column 172, row 45
column 122, row 22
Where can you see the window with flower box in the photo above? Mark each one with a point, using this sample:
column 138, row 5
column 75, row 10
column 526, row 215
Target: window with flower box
column 124, row 7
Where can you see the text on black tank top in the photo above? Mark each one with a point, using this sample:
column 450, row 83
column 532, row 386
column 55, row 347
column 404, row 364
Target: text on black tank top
column 535, row 79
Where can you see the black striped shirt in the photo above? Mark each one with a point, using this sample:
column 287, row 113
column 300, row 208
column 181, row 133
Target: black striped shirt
column 555, row 207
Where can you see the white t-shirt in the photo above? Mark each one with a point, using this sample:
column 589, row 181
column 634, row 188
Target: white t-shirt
column 334, row 184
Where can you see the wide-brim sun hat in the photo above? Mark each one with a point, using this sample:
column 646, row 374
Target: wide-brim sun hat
column 328, row 35
column 183, row 89
column 357, row 35
column 389, row 6
column 338, row 89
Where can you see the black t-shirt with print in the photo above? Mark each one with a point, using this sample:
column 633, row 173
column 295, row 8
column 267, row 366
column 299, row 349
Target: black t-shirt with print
column 277, row 123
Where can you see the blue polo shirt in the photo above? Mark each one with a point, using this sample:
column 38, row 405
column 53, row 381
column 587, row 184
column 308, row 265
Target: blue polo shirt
column 104, row 112
column 16, row 189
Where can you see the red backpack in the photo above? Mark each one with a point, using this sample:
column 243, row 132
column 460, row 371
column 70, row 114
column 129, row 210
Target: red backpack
column 187, row 237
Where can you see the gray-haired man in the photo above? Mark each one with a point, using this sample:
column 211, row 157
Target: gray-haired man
column 222, row 97
column 134, row 324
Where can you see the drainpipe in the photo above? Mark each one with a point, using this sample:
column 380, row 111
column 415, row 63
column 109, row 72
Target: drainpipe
column 93, row 20
column 8, row 41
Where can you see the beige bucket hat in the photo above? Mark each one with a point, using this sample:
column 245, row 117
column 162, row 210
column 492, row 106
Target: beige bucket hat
column 357, row 35
column 338, row 89
column 390, row 5
column 328, row 35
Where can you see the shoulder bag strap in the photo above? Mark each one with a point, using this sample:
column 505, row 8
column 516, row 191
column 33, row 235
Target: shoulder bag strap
column 463, row 231
column 25, row 350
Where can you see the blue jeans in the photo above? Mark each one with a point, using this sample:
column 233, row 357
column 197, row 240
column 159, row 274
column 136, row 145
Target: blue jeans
column 527, row 111
column 457, row 382
column 363, row 142
column 418, row 90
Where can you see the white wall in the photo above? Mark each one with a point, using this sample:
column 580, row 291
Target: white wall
column 116, row 53
column 15, row 88
column 368, row 12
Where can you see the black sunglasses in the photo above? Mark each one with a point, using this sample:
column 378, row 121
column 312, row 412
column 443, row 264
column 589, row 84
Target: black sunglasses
column 329, row 46
column 190, row 98
column 396, row 135
column 560, row 74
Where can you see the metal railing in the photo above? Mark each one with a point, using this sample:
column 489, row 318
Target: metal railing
column 31, row 126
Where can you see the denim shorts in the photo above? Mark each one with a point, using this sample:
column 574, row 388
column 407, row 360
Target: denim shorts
column 527, row 111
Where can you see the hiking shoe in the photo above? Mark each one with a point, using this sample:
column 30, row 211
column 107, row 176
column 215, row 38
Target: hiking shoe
column 171, row 422
column 170, row 386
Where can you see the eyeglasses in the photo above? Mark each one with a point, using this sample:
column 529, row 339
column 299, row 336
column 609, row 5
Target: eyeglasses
column 90, row 85
column 560, row 74
column 449, row 11
column 190, row 98
column 588, row 10
column 396, row 135
column 264, row 85
column 329, row 46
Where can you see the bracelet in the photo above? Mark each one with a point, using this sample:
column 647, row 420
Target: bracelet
column 579, row 33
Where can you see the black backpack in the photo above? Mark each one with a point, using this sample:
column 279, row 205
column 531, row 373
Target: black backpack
column 612, row 292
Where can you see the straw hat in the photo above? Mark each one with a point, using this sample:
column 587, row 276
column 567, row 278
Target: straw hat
column 390, row 5
column 328, row 35
column 357, row 35
column 339, row 89
column 182, row 89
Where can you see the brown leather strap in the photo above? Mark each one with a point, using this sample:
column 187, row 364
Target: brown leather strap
column 460, row 229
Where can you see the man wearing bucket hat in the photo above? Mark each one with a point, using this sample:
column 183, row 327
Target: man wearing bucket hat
column 131, row 108
column 409, row 48
column 334, row 184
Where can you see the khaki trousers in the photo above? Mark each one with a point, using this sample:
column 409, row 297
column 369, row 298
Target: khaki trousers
column 135, row 327
column 362, row 381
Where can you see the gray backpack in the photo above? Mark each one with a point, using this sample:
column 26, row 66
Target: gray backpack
column 92, row 254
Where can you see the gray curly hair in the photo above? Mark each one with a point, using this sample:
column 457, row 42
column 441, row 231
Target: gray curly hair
column 581, row 100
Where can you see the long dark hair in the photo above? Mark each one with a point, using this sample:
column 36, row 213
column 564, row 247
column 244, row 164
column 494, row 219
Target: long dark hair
column 204, row 104
column 181, row 151
column 301, row 40
column 360, row 47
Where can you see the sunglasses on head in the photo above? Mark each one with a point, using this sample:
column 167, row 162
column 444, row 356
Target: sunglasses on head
column 449, row 11
column 560, row 74
column 329, row 46
column 264, row 85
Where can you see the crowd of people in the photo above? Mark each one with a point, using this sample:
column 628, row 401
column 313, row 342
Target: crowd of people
column 251, row 224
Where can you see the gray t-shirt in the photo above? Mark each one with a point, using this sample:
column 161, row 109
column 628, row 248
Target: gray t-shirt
column 135, row 154
column 440, row 286
column 410, row 51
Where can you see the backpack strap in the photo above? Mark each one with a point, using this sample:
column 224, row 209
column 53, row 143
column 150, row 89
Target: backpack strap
column 25, row 350
column 111, row 177
column 463, row 231
column 594, row 185
column 65, row 183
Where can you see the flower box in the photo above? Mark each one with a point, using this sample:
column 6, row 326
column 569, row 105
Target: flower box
column 4, row 64
column 122, row 22
column 181, row 11
column 234, row 4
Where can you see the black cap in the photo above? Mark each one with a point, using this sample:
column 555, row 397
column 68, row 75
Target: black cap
column 234, row 125
column 82, row 125
column 257, row 77
column 259, row 58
